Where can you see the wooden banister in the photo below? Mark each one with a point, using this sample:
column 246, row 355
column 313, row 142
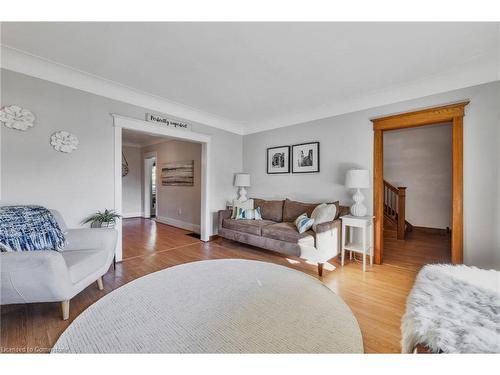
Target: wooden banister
column 391, row 187
column 395, row 207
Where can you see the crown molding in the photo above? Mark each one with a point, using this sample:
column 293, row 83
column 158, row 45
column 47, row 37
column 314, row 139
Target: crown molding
column 35, row 66
column 466, row 75
column 458, row 78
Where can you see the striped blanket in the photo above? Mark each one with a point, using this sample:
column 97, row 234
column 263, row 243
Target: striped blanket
column 27, row 228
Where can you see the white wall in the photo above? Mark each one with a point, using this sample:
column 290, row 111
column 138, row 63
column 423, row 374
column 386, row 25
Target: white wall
column 132, row 183
column 178, row 205
column 347, row 141
column 421, row 159
column 80, row 183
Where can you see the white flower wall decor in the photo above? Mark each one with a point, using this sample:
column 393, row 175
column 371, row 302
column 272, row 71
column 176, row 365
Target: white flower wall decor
column 64, row 141
column 15, row 117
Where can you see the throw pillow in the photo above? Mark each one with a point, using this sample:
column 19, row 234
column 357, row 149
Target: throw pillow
column 258, row 214
column 323, row 213
column 239, row 204
column 303, row 223
column 248, row 214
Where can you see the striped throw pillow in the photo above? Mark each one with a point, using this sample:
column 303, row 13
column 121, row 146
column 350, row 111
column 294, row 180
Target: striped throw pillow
column 248, row 214
column 303, row 223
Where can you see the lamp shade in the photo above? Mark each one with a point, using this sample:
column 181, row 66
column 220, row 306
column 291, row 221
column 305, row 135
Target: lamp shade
column 357, row 179
column 242, row 180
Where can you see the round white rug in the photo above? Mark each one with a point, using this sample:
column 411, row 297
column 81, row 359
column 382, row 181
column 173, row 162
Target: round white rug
column 217, row 306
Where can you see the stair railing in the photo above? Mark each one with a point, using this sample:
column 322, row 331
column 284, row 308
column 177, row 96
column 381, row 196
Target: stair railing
column 395, row 207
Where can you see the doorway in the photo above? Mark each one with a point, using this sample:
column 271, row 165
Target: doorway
column 417, row 195
column 150, row 198
column 146, row 129
column 453, row 114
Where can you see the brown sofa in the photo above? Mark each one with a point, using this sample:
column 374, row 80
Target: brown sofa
column 277, row 231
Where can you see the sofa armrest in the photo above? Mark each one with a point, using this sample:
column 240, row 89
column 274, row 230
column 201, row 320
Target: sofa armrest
column 328, row 226
column 223, row 214
column 44, row 269
column 90, row 238
column 328, row 239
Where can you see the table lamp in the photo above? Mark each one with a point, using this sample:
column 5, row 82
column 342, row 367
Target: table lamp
column 242, row 180
column 358, row 179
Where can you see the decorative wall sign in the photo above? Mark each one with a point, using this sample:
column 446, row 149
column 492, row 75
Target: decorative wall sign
column 305, row 158
column 64, row 141
column 15, row 117
column 160, row 119
column 278, row 160
column 178, row 173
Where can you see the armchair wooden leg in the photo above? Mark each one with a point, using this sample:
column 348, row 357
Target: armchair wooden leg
column 320, row 269
column 65, row 309
column 99, row 283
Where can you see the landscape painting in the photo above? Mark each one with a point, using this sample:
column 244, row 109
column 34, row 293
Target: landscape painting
column 178, row 173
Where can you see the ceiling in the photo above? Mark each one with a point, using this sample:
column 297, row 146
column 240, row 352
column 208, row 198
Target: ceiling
column 140, row 139
column 255, row 76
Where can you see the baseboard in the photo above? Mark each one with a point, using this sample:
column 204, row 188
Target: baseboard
column 132, row 214
column 179, row 224
column 431, row 230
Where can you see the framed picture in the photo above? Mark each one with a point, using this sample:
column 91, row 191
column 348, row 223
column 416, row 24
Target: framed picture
column 177, row 173
column 278, row 160
column 305, row 158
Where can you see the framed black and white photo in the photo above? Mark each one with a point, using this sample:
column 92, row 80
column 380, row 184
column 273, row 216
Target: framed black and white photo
column 278, row 160
column 305, row 158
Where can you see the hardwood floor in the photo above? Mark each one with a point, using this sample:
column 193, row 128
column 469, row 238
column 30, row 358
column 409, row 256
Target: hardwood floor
column 420, row 247
column 145, row 237
column 377, row 297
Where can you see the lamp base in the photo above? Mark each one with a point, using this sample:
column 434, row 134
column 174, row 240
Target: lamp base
column 358, row 208
column 242, row 194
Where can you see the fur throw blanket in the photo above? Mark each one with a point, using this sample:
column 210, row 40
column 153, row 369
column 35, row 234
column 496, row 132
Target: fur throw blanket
column 453, row 309
column 27, row 228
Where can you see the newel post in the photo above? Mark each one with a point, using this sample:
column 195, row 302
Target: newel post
column 401, row 213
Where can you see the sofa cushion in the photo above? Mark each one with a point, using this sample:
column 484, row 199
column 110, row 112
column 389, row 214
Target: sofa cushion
column 293, row 209
column 341, row 210
column 82, row 263
column 271, row 210
column 285, row 231
column 246, row 226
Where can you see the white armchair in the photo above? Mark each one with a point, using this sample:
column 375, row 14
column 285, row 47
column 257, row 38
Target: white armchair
column 57, row 276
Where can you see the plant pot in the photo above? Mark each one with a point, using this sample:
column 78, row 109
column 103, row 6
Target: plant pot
column 97, row 224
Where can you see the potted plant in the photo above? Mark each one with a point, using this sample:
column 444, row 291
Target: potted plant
column 106, row 219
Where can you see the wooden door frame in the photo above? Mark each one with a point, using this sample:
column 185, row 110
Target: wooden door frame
column 453, row 113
